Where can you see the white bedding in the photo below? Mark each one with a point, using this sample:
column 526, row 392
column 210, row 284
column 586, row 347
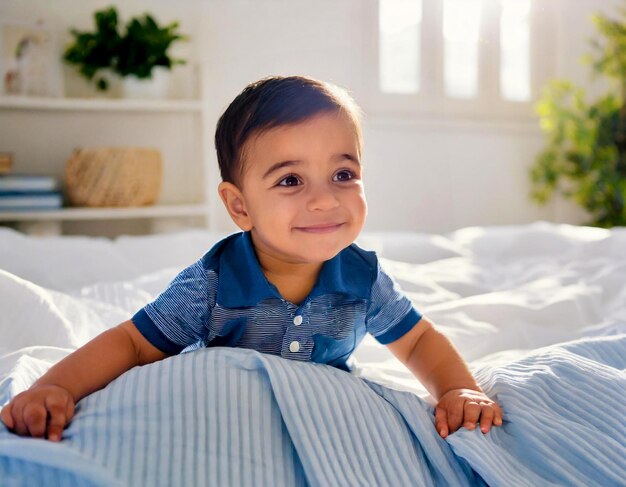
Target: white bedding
column 497, row 292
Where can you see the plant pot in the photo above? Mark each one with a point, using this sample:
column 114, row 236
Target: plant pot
column 152, row 88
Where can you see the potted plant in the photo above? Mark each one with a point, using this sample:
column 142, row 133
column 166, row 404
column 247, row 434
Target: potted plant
column 134, row 53
column 585, row 157
column 95, row 53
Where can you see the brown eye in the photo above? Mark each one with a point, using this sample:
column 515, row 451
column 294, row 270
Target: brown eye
column 343, row 175
column 290, row 180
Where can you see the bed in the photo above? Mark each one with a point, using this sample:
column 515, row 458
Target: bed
column 539, row 312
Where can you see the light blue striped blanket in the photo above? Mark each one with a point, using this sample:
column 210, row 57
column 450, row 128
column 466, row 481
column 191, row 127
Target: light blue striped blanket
column 221, row 417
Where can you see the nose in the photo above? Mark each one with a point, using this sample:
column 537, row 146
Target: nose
column 322, row 198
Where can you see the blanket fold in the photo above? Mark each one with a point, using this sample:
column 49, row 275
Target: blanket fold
column 228, row 416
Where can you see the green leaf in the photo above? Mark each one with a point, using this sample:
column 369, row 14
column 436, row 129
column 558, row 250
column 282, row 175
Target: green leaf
column 136, row 51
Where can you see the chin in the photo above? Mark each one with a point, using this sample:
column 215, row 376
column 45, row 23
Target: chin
column 321, row 252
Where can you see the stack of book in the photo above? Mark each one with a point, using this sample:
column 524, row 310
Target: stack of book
column 21, row 192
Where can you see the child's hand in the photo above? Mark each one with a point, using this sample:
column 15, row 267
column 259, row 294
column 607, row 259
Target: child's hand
column 41, row 411
column 464, row 407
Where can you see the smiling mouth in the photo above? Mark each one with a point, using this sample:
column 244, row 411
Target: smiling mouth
column 320, row 228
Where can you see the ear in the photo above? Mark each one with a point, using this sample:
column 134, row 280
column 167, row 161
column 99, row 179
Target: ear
column 234, row 202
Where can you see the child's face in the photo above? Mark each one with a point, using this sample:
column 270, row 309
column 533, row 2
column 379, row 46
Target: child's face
column 301, row 193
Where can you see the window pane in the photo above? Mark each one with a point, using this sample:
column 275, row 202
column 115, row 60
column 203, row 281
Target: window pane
column 461, row 32
column 515, row 50
column 399, row 45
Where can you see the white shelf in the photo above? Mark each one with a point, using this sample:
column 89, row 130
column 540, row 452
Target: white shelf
column 99, row 104
column 64, row 214
column 41, row 132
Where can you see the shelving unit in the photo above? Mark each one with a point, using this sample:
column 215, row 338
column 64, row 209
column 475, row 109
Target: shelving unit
column 177, row 212
column 49, row 222
column 42, row 132
column 157, row 211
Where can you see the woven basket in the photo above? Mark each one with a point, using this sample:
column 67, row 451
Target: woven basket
column 113, row 176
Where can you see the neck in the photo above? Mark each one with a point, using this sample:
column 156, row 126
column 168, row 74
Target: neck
column 293, row 280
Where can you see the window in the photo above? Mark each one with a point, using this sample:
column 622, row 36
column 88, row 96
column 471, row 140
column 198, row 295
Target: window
column 515, row 50
column 453, row 55
column 461, row 34
column 399, row 45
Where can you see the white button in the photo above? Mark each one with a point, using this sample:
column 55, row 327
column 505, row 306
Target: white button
column 297, row 320
column 294, row 347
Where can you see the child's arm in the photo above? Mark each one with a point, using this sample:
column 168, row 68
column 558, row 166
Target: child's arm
column 436, row 363
column 48, row 406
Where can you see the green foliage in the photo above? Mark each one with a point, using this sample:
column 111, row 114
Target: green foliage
column 609, row 52
column 95, row 51
column 135, row 52
column 585, row 157
column 145, row 46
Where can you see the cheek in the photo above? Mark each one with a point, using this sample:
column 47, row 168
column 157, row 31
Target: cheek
column 272, row 211
column 358, row 201
column 362, row 197
column 363, row 212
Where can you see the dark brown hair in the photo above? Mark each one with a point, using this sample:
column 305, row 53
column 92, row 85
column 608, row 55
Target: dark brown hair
column 272, row 102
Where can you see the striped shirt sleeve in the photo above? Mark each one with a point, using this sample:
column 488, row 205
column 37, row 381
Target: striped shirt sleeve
column 178, row 317
column 390, row 313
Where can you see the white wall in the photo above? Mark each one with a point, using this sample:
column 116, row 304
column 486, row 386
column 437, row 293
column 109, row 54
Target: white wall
column 421, row 174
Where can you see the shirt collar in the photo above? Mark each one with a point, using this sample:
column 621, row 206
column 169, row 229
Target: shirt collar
column 242, row 283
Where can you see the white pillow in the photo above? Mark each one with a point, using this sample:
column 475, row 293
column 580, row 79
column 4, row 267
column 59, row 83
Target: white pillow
column 417, row 248
column 63, row 263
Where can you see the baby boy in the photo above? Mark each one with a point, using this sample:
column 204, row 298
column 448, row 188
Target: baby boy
column 292, row 283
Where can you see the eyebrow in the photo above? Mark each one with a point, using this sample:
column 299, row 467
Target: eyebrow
column 282, row 164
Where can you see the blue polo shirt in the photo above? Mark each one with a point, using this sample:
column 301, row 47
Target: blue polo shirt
column 224, row 299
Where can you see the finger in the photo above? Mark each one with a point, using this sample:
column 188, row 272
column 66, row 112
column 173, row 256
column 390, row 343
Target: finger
column 56, row 424
column 441, row 422
column 35, row 419
column 69, row 410
column 55, row 430
column 17, row 412
column 6, row 417
column 471, row 413
column 58, row 418
column 455, row 416
column 498, row 415
column 487, row 415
